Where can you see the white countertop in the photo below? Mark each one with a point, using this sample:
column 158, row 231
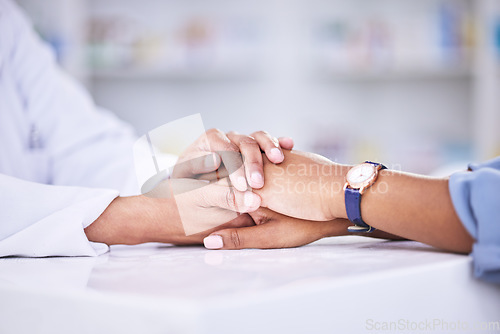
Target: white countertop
column 342, row 284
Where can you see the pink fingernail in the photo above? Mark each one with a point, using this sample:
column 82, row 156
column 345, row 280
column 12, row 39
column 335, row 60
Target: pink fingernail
column 250, row 199
column 257, row 179
column 275, row 152
column 213, row 242
column 242, row 183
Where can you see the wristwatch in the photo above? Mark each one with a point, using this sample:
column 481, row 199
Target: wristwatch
column 358, row 179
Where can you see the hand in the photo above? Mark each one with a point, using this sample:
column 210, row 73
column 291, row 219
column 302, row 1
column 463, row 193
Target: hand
column 185, row 212
column 274, row 230
column 207, row 152
column 202, row 206
column 306, row 186
column 178, row 237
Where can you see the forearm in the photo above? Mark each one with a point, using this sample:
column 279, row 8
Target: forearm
column 413, row 207
column 338, row 227
column 134, row 220
column 308, row 186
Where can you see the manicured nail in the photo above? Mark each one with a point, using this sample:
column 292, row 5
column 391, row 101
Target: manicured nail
column 242, row 183
column 257, row 179
column 249, row 199
column 213, row 242
column 276, row 153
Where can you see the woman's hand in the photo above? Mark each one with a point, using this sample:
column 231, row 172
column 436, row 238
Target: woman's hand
column 240, row 154
column 306, row 186
column 274, row 230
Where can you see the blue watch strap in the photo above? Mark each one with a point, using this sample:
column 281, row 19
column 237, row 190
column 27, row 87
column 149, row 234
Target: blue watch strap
column 353, row 207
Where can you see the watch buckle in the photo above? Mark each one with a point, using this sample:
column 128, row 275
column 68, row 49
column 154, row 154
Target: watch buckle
column 360, row 229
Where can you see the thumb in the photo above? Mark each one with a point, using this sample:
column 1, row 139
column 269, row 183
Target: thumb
column 240, row 238
column 228, row 198
column 198, row 163
column 291, row 232
column 283, row 233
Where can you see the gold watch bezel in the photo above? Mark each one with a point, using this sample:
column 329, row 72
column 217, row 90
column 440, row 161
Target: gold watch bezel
column 362, row 186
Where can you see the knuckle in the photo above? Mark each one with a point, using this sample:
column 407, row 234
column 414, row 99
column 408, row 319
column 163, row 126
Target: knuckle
column 273, row 140
column 261, row 133
column 214, row 131
column 231, row 199
column 247, row 140
column 259, row 218
column 253, row 164
column 235, row 238
column 230, row 146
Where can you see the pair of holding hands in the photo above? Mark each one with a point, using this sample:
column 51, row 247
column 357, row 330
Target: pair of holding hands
column 236, row 191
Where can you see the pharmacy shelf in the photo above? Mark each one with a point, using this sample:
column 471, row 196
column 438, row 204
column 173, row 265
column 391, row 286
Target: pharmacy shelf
column 378, row 75
column 174, row 74
column 209, row 73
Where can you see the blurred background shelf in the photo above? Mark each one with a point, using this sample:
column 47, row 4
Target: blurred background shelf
column 377, row 75
column 412, row 83
column 206, row 74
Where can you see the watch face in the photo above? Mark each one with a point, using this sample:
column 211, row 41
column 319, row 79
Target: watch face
column 360, row 175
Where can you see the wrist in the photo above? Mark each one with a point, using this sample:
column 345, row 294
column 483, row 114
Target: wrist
column 132, row 220
column 335, row 201
column 158, row 220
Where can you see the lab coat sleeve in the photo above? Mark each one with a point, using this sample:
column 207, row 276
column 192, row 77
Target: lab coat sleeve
column 86, row 145
column 45, row 220
column 475, row 196
column 89, row 153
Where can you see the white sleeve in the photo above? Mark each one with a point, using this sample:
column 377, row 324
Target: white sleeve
column 89, row 152
column 87, row 146
column 45, row 220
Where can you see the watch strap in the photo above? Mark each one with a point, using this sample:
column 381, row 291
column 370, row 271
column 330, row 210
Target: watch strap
column 353, row 207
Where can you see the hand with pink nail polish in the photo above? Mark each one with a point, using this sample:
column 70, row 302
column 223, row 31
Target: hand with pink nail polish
column 274, row 230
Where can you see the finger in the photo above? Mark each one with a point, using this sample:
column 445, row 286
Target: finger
column 243, row 220
column 286, row 143
column 270, row 145
column 221, row 196
column 275, row 234
column 252, row 158
column 198, row 163
column 231, row 157
column 219, row 174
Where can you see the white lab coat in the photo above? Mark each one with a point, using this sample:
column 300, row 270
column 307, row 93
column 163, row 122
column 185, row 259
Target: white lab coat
column 62, row 159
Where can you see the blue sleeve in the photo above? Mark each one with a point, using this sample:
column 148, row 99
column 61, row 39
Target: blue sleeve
column 476, row 198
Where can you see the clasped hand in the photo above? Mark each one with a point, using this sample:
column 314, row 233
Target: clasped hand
column 300, row 203
column 293, row 198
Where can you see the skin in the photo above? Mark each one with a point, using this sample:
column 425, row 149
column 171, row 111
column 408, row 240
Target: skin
column 241, row 154
column 274, row 230
column 139, row 219
column 407, row 205
column 157, row 216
